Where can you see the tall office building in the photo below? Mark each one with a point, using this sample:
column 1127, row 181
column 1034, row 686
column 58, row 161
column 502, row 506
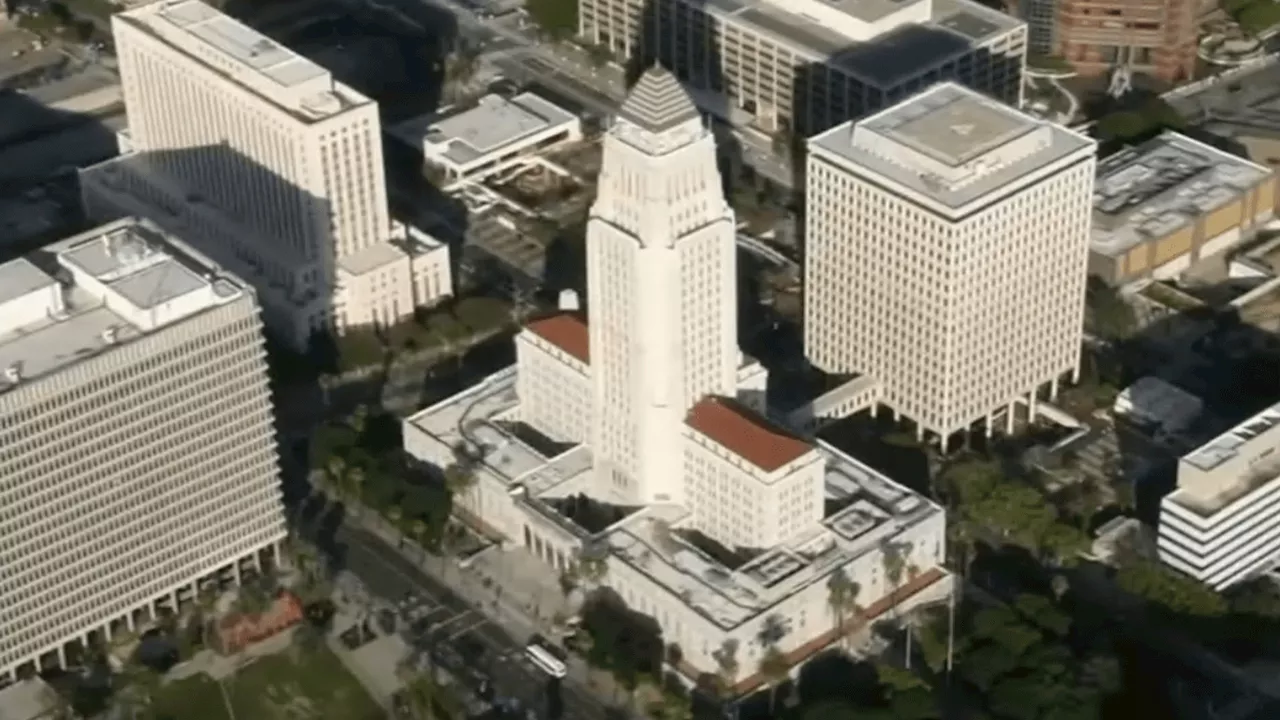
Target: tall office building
column 269, row 165
column 948, row 241
column 802, row 66
column 137, row 450
column 663, row 306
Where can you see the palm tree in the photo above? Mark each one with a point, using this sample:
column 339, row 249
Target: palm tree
column 775, row 669
column 727, row 660
column 842, row 598
column 894, row 557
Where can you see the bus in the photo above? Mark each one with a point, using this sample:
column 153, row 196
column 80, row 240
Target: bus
column 545, row 661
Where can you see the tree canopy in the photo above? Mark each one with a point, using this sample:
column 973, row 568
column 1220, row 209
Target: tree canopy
column 1017, row 511
column 626, row 643
column 558, row 18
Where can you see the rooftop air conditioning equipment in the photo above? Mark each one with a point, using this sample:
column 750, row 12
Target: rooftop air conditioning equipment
column 13, row 373
column 110, row 335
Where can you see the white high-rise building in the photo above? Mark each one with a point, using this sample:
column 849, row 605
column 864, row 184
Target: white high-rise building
column 646, row 407
column 663, row 308
column 268, row 164
column 137, row 448
column 946, row 258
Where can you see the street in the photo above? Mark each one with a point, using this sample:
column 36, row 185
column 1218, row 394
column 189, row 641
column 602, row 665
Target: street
column 460, row 637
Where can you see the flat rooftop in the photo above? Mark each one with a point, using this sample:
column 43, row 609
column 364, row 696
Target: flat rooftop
column 258, row 63
column 953, row 27
column 950, row 144
column 873, row 509
column 1149, row 191
column 97, row 290
column 494, row 124
column 1227, row 445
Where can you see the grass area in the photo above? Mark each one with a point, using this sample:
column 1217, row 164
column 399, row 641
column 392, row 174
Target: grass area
column 286, row 686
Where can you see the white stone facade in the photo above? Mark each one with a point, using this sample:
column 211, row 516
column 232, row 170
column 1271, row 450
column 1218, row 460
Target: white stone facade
column 741, row 480
column 947, row 255
column 137, row 446
column 272, row 167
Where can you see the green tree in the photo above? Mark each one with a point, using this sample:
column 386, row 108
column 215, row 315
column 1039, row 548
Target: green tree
column 136, row 686
column 1109, row 316
column 726, row 657
column 1169, row 589
column 842, row 599
column 557, row 18
column 775, row 669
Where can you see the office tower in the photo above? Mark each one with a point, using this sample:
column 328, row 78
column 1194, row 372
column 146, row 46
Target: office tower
column 1219, row 526
column 137, row 450
column 270, row 165
column 802, row 66
column 662, row 301
column 947, row 247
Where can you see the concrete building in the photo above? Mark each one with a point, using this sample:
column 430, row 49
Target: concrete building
column 654, row 369
column 947, row 251
column 1165, row 205
column 1153, row 37
column 1220, row 525
column 806, row 65
column 267, row 163
column 137, row 448
column 486, row 139
column 664, row 325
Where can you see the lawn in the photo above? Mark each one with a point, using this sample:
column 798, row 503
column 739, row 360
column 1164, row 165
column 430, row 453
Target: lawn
column 285, row 686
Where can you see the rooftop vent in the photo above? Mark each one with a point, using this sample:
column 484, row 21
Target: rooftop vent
column 111, row 335
column 13, row 373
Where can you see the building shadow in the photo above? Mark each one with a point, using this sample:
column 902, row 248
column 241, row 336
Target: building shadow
column 41, row 147
column 394, row 54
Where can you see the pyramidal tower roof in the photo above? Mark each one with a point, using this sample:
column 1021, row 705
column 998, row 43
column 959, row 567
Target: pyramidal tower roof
column 658, row 102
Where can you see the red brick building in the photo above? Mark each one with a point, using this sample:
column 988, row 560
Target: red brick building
column 1155, row 37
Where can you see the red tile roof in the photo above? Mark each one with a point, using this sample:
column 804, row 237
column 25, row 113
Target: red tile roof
column 746, row 433
column 566, row 331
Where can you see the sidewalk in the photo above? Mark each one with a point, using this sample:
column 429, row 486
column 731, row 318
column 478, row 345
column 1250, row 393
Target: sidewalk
column 500, row 609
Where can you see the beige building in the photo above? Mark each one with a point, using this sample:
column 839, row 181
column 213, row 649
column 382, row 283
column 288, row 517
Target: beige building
column 947, row 251
column 137, row 448
column 806, row 65
column 265, row 161
column 1167, row 204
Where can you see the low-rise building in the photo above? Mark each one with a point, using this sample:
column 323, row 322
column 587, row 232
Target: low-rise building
column 1171, row 202
column 137, row 445
column 1154, row 37
column 479, row 141
column 1222, row 524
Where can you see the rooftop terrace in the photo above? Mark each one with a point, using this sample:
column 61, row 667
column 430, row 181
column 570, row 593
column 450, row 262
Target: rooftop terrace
column 1149, row 191
column 255, row 61
column 875, row 509
column 950, row 144
column 99, row 289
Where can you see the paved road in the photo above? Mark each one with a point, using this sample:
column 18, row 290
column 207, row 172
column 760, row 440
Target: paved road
column 464, row 641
